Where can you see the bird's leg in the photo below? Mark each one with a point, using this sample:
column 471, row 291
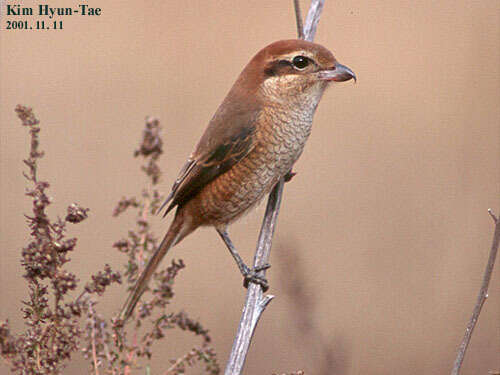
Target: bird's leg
column 250, row 275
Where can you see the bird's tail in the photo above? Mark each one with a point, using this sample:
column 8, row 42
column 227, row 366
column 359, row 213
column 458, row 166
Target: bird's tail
column 175, row 233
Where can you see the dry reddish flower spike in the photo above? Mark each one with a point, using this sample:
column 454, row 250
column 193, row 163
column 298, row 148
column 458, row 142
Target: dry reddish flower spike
column 76, row 214
column 53, row 331
column 141, row 242
column 151, row 148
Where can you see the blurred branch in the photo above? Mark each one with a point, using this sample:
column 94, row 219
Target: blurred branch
column 331, row 353
column 481, row 298
column 256, row 302
column 298, row 19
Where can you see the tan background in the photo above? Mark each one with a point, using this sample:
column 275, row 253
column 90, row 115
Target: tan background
column 387, row 215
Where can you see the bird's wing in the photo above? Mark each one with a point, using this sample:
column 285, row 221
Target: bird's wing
column 228, row 138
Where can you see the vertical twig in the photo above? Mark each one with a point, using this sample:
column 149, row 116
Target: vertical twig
column 313, row 19
column 481, row 298
column 256, row 302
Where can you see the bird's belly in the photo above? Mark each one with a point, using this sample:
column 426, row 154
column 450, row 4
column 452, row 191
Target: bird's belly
column 233, row 193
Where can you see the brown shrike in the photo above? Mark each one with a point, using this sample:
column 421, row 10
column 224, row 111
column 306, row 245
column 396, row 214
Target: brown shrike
column 252, row 141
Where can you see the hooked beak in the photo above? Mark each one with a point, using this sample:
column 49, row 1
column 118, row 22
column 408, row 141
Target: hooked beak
column 339, row 73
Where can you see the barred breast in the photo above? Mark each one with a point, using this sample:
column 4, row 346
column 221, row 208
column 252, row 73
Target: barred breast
column 280, row 138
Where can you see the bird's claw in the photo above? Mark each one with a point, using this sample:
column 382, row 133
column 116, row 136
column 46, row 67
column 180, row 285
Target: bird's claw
column 251, row 276
column 288, row 177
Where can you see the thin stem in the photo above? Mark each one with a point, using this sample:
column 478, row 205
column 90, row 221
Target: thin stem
column 94, row 351
column 177, row 363
column 143, row 244
column 481, row 298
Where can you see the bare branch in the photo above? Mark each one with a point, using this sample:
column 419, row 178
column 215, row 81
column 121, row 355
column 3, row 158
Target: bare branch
column 256, row 302
column 313, row 19
column 481, row 298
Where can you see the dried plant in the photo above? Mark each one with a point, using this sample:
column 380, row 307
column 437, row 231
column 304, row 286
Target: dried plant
column 138, row 246
column 58, row 326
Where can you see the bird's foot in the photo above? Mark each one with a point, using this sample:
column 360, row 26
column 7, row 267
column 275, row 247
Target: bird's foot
column 289, row 176
column 251, row 276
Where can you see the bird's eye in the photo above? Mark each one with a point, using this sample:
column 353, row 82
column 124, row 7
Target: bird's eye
column 300, row 62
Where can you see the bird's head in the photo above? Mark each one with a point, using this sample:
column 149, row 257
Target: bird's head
column 292, row 71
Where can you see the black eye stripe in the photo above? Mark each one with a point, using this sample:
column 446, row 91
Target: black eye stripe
column 279, row 67
column 284, row 63
column 276, row 67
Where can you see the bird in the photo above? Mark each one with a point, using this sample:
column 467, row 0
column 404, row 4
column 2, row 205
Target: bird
column 252, row 141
